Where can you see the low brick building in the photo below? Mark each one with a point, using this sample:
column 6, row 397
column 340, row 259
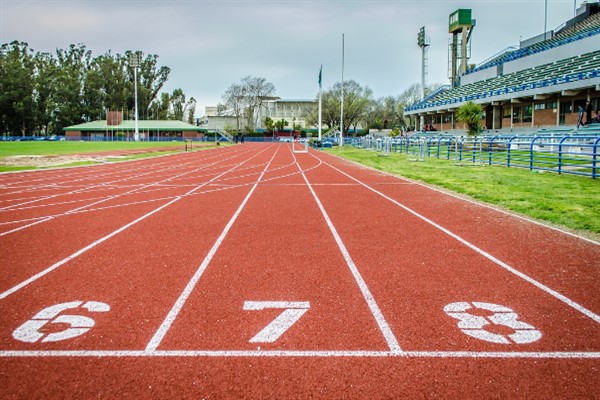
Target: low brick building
column 114, row 128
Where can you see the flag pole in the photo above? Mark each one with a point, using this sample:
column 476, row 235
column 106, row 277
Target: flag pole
column 320, row 99
column 342, row 101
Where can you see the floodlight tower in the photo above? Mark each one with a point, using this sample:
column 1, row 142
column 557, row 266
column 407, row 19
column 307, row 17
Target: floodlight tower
column 460, row 22
column 423, row 42
column 134, row 61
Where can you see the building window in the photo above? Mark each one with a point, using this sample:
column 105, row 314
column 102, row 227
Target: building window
column 527, row 113
column 551, row 105
column 540, row 106
column 566, row 107
column 517, row 115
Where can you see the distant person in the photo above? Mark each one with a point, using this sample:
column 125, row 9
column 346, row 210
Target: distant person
column 588, row 113
column 597, row 117
column 431, row 128
column 242, row 138
column 580, row 119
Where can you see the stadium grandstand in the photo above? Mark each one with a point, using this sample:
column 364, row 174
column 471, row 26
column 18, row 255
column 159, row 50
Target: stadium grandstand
column 540, row 83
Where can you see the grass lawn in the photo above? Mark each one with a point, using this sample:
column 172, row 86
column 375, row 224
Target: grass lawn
column 54, row 149
column 61, row 148
column 567, row 201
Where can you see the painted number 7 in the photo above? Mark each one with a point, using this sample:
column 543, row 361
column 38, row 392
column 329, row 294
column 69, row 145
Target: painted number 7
column 292, row 311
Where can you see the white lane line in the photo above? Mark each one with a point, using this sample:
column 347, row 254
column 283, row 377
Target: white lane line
column 174, row 312
column 301, row 353
column 479, row 203
column 482, row 252
column 112, row 184
column 82, row 174
column 391, row 340
column 112, row 197
column 110, row 235
column 159, row 168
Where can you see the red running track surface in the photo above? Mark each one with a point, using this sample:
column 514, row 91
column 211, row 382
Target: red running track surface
column 256, row 272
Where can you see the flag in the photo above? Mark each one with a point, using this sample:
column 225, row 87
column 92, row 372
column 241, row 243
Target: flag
column 320, row 75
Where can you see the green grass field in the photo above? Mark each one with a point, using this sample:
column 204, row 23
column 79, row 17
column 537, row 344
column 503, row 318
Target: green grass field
column 61, row 148
column 567, row 201
column 44, row 148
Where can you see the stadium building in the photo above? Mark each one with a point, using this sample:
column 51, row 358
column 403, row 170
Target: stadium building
column 115, row 128
column 541, row 83
column 294, row 111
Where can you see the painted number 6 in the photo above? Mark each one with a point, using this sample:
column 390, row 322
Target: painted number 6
column 473, row 325
column 31, row 331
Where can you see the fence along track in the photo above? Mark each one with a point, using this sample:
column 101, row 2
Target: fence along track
column 563, row 153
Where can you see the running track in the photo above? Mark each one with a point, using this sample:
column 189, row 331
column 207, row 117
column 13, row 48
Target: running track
column 252, row 271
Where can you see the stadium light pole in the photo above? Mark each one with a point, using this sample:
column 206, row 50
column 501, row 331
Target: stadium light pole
column 545, row 18
column 134, row 60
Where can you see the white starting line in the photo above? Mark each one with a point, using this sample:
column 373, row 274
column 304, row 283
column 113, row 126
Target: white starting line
column 298, row 353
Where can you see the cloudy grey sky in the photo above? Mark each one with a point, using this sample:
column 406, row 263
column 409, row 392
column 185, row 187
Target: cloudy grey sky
column 210, row 44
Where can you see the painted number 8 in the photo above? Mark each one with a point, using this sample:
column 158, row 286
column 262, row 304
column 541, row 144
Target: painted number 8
column 473, row 325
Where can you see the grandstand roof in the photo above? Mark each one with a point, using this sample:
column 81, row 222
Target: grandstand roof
column 588, row 28
column 574, row 70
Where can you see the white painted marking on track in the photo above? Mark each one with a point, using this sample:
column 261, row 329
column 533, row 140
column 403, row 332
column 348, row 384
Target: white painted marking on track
column 293, row 311
column 102, row 200
column 482, row 252
column 29, row 331
column 390, row 339
column 103, row 239
column 473, row 325
column 174, row 312
column 291, row 353
column 476, row 202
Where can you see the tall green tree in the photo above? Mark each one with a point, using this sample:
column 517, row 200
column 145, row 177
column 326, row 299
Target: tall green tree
column 356, row 101
column 42, row 93
column 72, row 65
column 17, row 88
column 178, row 104
column 190, row 111
column 45, row 66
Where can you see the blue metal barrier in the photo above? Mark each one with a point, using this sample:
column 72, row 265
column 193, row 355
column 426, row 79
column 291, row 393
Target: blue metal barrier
column 559, row 151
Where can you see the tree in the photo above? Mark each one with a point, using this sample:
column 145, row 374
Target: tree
column 281, row 124
column 470, row 114
column 356, row 101
column 178, row 104
column 245, row 98
column 44, row 89
column 43, row 92
column 234, row 98
column 190, row 111
column 17, row 69
column 269, row 124
column 151, row 80
column 256, row 91
column 70, row 77
column 412, row 95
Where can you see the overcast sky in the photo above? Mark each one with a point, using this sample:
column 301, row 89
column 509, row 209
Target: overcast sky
column 210, row 44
